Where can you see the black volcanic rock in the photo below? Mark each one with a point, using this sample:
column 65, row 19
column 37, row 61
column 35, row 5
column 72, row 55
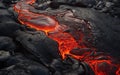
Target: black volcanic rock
column 80, row 3
column 7, row 44
column 7, row 3
column 4, row 12
column 20, row 65
column 6, row 18
column 4, row 55
column 56, row 3
column 38, row 45
column 2, row 6
column 38, row 70
column 6, row 15
column 8, row 29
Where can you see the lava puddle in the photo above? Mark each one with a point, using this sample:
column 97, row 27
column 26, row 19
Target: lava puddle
column 65, row 40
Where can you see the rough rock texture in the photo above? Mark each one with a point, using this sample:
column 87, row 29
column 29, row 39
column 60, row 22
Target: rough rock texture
column 19, row 65
column 71, row 66
column 7, row 24
column 8, row 29
column 39, row 45
column 2, row 6
column 7, row 44
column 33, row 53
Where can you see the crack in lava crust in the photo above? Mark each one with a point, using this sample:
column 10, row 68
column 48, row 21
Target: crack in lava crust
column 65, row 40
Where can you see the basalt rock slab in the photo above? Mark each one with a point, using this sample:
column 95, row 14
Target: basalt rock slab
column 2, row 6
column 8, row 3
column 4, row 55
column 20, row 65
column 8, row 29
column 7, row 44
column 6, row 15
column 5, row 18
column 4, row 12
column 80, row 3
column 38, row 45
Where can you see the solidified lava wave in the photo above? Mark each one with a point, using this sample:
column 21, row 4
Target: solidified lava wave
column 65, row 40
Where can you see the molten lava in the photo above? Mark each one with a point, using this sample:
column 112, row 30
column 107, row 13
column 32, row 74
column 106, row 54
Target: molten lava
column 65, row 40
column 34, row 20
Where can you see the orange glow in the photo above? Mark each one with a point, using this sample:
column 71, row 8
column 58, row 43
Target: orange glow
column 34, row 20
column 30, row 1
column 100, row 69
column 37, row 21
column 118, row 71
column 65, row 40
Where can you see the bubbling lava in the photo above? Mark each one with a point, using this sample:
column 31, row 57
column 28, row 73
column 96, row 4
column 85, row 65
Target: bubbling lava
column 65, row 40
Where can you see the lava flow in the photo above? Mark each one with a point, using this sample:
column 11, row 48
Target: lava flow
column 65, row 40
column 36, row 21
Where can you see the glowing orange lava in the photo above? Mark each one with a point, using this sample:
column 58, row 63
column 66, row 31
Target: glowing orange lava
column 65, row 40
column 34, row 20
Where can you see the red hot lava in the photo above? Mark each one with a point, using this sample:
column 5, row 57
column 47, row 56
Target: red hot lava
column 65, row 40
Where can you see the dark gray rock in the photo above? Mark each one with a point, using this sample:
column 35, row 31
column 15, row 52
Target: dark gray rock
column 4, row 55
column 4, row 12
column 5, row 18
column 14, row 15
column 81, row 3
column 41, row 1
column 109, row 4
column 56, row 3
column 20, row 65
column 100, row 5
column 42, row 5
column 38, row 70
column 88, row 3
column 38, row 45
column 2, row 6
column 7, row 61
column 9, row 2
column 7, row 44
column 8, row 29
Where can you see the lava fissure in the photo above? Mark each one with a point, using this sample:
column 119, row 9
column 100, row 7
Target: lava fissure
column 66, row 41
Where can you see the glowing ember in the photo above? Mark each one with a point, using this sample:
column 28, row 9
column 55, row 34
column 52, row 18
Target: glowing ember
column 65, row 40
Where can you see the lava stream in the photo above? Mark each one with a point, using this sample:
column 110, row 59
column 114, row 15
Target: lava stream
column 65, row 40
